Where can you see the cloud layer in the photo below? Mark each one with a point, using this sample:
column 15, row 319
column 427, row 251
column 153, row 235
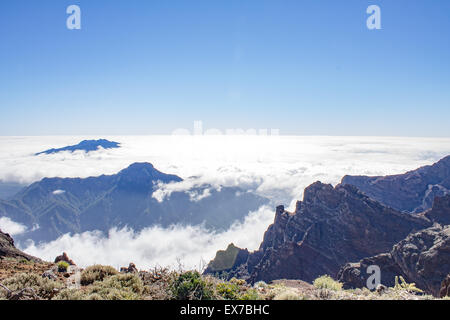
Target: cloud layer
column 278, row 167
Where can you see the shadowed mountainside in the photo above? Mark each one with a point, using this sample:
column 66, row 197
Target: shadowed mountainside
column 56, row 206
column 413, row 191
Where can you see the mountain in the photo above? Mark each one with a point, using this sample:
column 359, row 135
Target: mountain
column 412, row 192
column 329, row 228
column 56, row 206
column 85, row 145
column 8, row 250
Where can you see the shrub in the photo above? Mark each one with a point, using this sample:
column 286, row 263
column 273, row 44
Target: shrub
column 43, row 287
column 191, row 286
column 250, row 294
column 287, row 295
column 63, row 266
column 228, row 291
column 96, row 273
column 326, row 282
column 119, row 287
column 403, row 285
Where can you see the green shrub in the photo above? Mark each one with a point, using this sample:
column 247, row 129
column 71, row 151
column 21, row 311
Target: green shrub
column 191, row 286
column 43, row 287
column 96, row 273
column 228, row 291
column 250, row 294
column 326, row 282
column 63, row 266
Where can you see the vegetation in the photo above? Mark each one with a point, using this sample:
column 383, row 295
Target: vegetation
column 105, row 283
column 63, row 266
column 96, row 273
column 326, row 282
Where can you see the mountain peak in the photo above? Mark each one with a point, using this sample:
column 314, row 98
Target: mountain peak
column 140, row 176
column 85, row 145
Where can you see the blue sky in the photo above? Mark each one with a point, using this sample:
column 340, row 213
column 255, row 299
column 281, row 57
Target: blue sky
column 149, row 67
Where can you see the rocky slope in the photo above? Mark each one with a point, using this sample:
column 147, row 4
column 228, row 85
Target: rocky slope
column 73, row 205
column 422, row 258
column 329, row 228
column 412, row 192
column 8, row 250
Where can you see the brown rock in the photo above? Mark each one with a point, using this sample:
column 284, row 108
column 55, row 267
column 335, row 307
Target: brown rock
column 64, row 257
column 131, row 269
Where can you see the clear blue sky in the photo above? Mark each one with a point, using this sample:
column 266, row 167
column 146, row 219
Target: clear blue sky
column 149, row 67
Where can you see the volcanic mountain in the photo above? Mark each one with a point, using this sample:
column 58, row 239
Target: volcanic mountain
column 56, row 206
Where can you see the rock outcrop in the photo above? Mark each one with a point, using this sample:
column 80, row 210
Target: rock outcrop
column 422, row 257
column 412, row 192
column 65, row 258
column 8, row 250
column 445, row 288
column 329, row 228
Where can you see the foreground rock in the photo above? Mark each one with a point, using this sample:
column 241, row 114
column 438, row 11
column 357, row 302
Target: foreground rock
column 65, row 258
column 329, row 228
column 422, row 258
column 445, row 288
column 8, row 250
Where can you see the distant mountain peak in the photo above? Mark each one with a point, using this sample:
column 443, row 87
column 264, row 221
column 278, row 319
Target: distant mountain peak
column 85, row 145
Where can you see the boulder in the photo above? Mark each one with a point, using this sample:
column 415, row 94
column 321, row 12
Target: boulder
column 64, row 257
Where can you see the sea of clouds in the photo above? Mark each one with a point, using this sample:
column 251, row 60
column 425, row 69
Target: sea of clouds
column 278, row 167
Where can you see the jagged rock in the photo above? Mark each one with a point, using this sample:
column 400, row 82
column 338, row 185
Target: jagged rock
column 64, row 257
column 329, row 228
column 422, row 258
column 413, row 191
column 131, row 269
column 8, row 250
column 445, row 288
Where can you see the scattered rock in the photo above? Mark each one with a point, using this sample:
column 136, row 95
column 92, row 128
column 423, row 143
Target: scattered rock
column 381, row 289
column 64, row 257
column 131, row 269
column 49, row 274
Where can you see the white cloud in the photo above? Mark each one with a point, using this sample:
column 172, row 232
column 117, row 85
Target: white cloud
column 11, row 227
column 155, row 246
column 56, row 192
column 279, row 167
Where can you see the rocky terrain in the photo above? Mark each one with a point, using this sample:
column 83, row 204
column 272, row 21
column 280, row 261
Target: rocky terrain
column 26, row 278
column 334, row 228
column 329, row 228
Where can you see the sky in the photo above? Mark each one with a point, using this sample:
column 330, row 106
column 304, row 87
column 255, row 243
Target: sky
column 305, row 67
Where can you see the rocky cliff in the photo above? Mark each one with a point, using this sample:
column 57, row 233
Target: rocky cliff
column 329, row 228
